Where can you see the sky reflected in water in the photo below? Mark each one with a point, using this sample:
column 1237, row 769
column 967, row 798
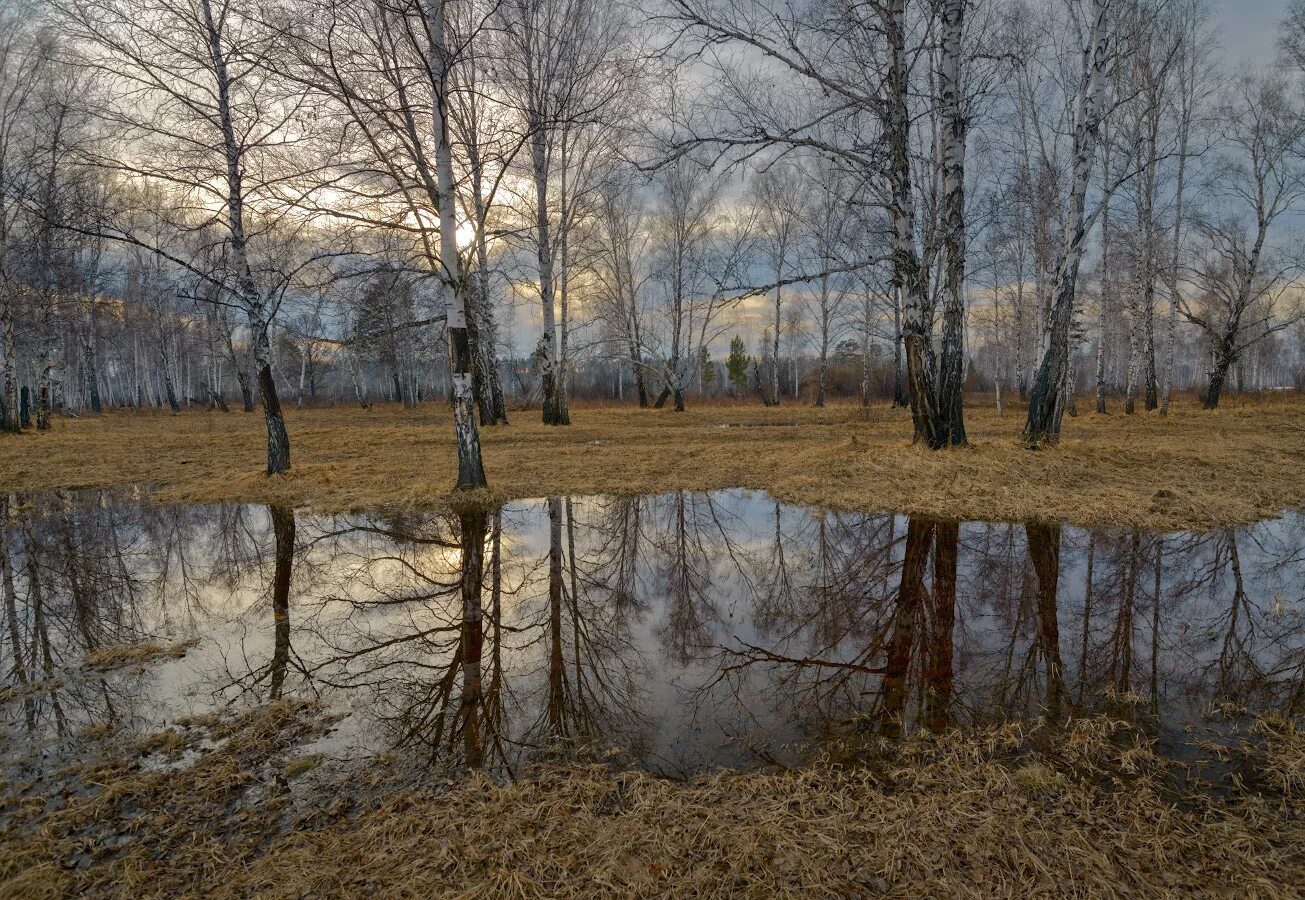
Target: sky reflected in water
column 677, row 632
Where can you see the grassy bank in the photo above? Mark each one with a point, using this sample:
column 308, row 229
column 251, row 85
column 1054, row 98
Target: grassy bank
column 1195, row 468
column 1008, row 811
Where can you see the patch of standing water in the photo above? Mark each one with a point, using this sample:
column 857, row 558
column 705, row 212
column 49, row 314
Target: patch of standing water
column 677, row 632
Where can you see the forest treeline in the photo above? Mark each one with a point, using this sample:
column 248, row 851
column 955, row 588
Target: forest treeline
column 511, row 203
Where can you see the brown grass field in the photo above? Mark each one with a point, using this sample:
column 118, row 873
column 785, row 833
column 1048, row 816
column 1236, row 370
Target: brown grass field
column 1192, row 469
column 1015, row 810
column 1090, row 808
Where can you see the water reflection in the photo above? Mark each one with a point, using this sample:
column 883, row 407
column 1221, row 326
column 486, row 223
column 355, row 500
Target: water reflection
column 676, row 631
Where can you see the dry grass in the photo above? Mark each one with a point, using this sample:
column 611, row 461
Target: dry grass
column 1192, row 469
column 1014, row 810
column 111, row 827
column 138, row 655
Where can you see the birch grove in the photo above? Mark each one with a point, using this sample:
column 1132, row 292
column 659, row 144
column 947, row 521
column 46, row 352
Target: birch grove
column 506, row 207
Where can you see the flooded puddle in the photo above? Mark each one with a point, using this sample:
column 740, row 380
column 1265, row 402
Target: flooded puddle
column 677, row 633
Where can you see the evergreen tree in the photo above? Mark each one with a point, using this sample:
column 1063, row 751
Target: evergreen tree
column 737, row 365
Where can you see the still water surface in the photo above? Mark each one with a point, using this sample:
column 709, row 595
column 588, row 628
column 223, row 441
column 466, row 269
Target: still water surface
column 676, row 632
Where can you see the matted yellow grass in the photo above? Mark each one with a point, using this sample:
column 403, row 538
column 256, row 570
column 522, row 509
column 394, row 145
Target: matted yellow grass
column 1015, row 810
column 1194, row 468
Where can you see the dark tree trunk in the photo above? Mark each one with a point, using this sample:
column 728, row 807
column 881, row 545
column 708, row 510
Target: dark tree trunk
column 43, row 405
column 24, row 407
column 218, row 400
column 756, row 383
column 93, row 379
column 1152, row 382
column 169, row 391
column 494, row 409
column 246, row 392
column 556, row 667
column 471, row 469
column 278, row 442
column 473, row 524
column 955, row 125
column 939, row 676
column 479, row 386
column 283, row 526
column 1044, row 553
column 1218, row 379
column 910, row 595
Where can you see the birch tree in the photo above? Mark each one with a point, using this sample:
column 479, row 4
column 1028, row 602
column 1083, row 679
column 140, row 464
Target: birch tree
column 1191, row 75
column 954, row 122
column 828, row 223
column 471, row 471
column 1260, row 179
column 1047, row 398
column 779, row 201
column 21, row 61
column 559, row 66
column 831, row 50
column 195, row 104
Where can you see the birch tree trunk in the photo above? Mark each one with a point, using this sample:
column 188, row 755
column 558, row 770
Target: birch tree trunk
column 1186, row 87
column 774, row 354
column 278, row 441
column 865, row 349
column 165, row 365
column 899, row 389
column 355, row 376
column 10, row 420
column 823, row 374
column 92, row 364
column 636, row 354
column 564, row 282
column 1046, row 401
column 955, row 128
column 471, row 470
column 554, row 414
column 1107, row 287
column 907, row 275
column 493, row 408
column 1146, row 222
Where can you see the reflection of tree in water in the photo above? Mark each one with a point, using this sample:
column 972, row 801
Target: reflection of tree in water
column 864, row 625
column 425, row 631
column 685, row 558
column 401, row 620
column 274, row 672
column 591, row 658
column 80, row 573
column 475, row 638
column 993, row 642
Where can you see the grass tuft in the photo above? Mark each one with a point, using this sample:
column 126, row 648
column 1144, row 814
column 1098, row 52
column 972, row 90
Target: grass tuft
column 122, row 655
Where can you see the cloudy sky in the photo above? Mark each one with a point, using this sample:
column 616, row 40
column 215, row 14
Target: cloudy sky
column 1248, row 29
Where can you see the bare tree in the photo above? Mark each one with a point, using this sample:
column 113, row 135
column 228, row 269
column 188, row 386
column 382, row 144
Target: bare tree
column 1260, row 177
column 1047, row 399
column 558, row 65
column 196, row 106
column 21, row 59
